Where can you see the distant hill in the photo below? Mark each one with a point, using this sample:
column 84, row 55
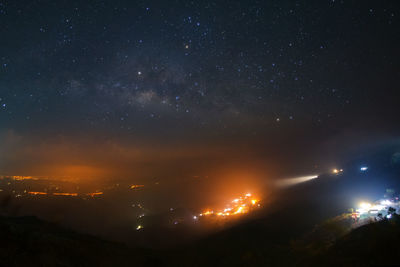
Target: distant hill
column 294, row 231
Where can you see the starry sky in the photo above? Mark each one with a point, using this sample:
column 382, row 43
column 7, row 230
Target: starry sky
column 173, row 87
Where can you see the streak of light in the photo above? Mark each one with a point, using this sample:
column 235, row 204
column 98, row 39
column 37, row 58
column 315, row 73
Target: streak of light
column 294, row 181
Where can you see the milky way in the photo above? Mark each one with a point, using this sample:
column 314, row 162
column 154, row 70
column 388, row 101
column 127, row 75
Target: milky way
column 186, row 71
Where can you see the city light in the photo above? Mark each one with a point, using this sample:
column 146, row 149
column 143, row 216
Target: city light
column 136, row 186
column 379, row 208
column 337, row 171
column 66, row 194
column 240, row 205
column 94, row 194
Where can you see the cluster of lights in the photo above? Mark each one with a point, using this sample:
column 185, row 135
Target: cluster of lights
column 338, row 171
column 237, row 206
column 21, row 178
column 366, row 207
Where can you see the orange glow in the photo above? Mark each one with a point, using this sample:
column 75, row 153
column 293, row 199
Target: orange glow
column 66, row 194
column 82, row 171
column 74, row 172
column 37, row 193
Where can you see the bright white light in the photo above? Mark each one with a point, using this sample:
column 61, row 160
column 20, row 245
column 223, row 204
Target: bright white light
column 363, row 169
column 389, row 216
column 194, row 217
column 365, row 205
column 139, row 227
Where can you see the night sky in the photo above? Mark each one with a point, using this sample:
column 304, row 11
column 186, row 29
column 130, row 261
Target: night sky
column 170, row 88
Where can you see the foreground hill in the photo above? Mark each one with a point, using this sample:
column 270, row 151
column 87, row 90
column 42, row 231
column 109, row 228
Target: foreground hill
column 376, row 244
column 330, row 244
column 28, row 241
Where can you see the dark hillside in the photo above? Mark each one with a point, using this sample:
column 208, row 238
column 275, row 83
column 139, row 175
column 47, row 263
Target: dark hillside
column 28, row 241
column 376, row 244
